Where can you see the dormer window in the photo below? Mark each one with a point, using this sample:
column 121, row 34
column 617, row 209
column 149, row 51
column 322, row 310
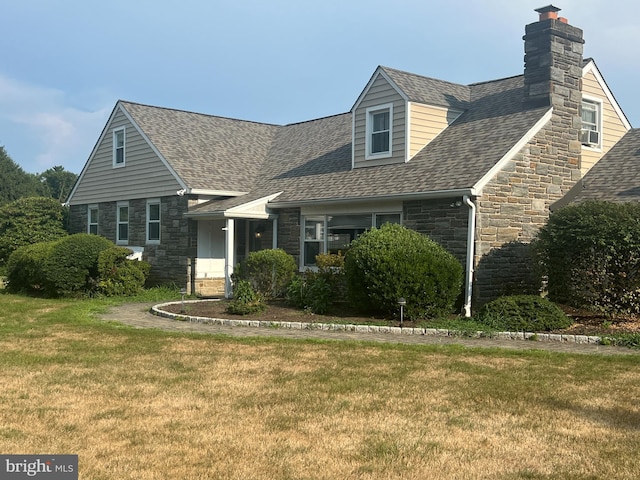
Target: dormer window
column 591, row 131
column 379, row 131
column 119, row 147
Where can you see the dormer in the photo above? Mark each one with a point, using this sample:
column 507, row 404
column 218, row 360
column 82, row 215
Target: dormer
column 399, row 113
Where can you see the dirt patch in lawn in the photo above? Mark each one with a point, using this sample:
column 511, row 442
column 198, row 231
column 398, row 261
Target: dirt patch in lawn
column 585, row 322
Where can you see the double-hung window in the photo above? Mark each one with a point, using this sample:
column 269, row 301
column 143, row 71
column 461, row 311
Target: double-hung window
column 379, row 131
column 334, row 233
column 123, row 223
column 119, row 147
column 92, row 219
column 153, row 221
column 591, row 132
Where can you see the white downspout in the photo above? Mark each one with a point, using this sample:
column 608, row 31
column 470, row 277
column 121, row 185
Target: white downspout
column 471, row 230
column 274, row 242
column 228, row 256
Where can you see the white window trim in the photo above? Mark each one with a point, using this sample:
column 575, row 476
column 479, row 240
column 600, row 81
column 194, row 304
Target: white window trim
column 369, row 131
column 597, row 101
column 154, row 201
column 89, row 224
column 324, row 241
column 124, row 147
column 120, row 241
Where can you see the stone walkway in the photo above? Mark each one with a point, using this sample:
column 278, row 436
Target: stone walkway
column 138, row 315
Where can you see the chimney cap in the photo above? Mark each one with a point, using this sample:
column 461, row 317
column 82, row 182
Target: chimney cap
column 548, row 9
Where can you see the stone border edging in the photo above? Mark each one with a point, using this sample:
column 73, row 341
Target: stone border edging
column 540, row 337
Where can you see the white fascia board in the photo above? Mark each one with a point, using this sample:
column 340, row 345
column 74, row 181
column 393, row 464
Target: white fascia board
column 153, row 147
column 591, row 67
column 215, row 193
column 533, row 131
column 254, row 203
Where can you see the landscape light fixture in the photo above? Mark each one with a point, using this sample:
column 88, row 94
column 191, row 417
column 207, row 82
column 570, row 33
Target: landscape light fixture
column 402, row 302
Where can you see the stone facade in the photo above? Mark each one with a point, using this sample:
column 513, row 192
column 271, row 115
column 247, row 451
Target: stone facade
column 444, row 221
column 170, row 259
column 515, row 204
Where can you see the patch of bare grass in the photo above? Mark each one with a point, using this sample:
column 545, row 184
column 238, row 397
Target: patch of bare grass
column 150, row 405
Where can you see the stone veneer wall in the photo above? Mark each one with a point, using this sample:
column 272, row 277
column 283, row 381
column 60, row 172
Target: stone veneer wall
column 289, row 231
column 169, row 260
column 444, row 221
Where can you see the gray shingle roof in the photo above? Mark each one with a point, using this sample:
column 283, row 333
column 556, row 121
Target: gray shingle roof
column 430, row 91
column 207, row 152
column 311, row 161
column 615, row 177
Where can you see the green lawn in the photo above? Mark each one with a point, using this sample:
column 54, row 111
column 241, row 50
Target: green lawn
column 145, row 404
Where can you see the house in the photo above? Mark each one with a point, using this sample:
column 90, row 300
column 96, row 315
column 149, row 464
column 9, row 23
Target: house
column 475, row 167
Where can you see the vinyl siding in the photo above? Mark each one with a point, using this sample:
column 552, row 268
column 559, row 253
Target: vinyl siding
column 426, row 123
column 612, row 126
column 144, row 174
column 380, row 93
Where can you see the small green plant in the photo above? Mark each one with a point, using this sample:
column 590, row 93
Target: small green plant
column 310, row 292
column 523, row 313
column 245, row 300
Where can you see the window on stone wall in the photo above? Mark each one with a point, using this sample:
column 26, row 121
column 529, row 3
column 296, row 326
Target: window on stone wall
column 123, row 223
column 92, row 219
column 153, row 221
column 333, row 233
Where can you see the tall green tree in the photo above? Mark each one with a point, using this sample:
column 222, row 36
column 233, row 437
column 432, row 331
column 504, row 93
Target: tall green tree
column 15, row 183
column 57, row 182
column 30, row 220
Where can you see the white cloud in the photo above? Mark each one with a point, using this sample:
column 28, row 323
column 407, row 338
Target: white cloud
column 44, row 129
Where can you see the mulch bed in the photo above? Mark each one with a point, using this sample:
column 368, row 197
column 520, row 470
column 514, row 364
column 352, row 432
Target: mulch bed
column 585, row 322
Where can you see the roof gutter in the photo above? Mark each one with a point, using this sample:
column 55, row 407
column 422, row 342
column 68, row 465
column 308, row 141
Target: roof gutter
column 459, row 192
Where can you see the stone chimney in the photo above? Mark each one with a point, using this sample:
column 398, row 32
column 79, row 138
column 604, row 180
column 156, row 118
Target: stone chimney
column 552, row 61
column 553, row 77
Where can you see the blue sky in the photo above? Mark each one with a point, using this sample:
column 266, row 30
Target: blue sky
column 65, row 64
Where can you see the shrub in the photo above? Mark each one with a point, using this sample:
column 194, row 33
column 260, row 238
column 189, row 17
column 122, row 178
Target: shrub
column 590, row 254
column 245, row 299
column 24, row 268
column 311, row 292
column 385, row 264
column 71, row 267
column 118, row 275
column 517, row 313
column 331, row 269
column 269, row 271
column 30, row 220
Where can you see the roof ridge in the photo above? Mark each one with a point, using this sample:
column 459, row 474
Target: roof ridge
column 422, row 76
column 495, row 80
column 198, row 113
column 316, row 119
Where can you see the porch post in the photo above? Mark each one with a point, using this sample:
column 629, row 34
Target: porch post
column 274, row 243
column 229, row 256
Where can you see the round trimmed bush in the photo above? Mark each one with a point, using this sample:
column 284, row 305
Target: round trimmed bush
column 390, row 262
column 24, row 268
column 118, row 275
column 72, row 264
column 269, row 271
column 523, row 313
